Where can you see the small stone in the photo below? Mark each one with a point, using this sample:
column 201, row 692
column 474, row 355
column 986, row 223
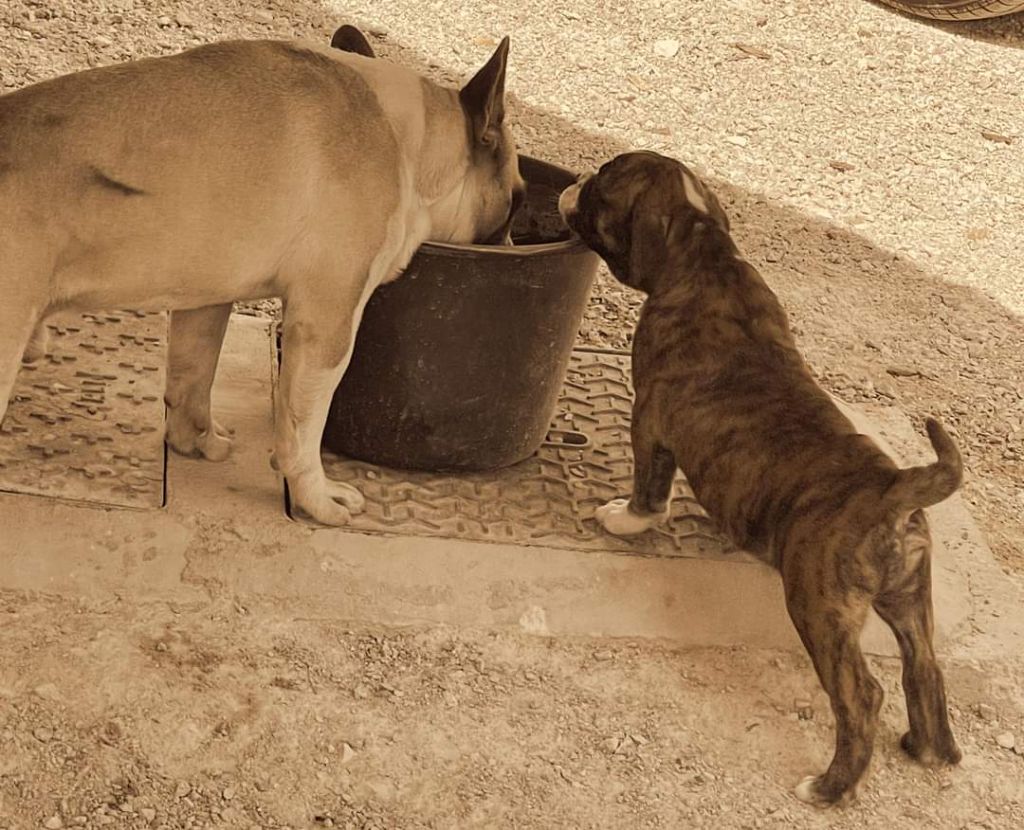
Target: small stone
column 362, row 691
column 183, row 789
column 667, row 48
column 228, row 793
column 610, row 744
column 903, row 371
column 42, row 734
column 985, row 712
column 737, row 140
column 998, row 138
column 347, row 753
column 163, row 21
column 1006, row 740
column 184, row 20
column 47, row 691
column 603, row 655
column 102, row 42
column 841, row 166
column 263, row 16
column 53, row 823
column 148, row 814
column 803, row 709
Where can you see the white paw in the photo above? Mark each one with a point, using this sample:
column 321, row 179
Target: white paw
column 347, row 495
column 213, row 444
column 807, row 792
column 617, row 518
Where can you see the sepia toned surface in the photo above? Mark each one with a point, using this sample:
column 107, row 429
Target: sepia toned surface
column 550, row 498
column 86, row 422
column 873, row 169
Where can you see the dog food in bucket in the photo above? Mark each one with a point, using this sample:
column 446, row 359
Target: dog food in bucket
column 538, row 221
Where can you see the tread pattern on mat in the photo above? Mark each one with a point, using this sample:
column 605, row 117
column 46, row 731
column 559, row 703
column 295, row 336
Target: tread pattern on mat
column 548, row 499
column 86, row 422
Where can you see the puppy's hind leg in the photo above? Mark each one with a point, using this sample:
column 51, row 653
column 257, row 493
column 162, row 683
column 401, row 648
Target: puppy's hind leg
column 196, row 336
column 831, row 632
column 907, row 608
column 654, row 468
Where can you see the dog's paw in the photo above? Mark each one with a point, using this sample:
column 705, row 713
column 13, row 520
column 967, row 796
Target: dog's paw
column 327, row 502
column 185, row 438
column 815, row 790
column 618, row 519
column 807, row 791
column 931, row 757
column 347, row 495
column 214, row 444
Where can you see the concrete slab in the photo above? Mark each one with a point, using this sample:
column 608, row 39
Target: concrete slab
column 224, row 532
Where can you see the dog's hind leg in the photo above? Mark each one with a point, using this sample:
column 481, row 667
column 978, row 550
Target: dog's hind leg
column 831, row 633
column 196, row 336
column 38, row 343
column 17, row 324
column 907, row 608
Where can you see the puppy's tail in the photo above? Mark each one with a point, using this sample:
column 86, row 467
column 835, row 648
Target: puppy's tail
column 929, row 484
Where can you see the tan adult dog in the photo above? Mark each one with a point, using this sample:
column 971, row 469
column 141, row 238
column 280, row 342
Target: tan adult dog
column 236, row 171
column 723, row 393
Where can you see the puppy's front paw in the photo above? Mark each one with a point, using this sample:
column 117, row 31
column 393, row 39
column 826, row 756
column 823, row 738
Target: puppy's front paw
column 617, row 518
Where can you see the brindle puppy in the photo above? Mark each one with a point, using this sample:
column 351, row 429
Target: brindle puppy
column 723, row 394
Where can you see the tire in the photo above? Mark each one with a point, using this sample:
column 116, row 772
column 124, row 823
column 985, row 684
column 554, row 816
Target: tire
column 957, row 9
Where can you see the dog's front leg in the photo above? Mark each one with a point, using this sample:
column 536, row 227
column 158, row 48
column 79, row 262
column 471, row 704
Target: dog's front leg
column 654, row 468
column 318, row 335
column 196, row 336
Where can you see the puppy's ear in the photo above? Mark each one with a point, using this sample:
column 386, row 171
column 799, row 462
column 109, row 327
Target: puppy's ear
column 702, row 198
column 350, row 39
column 483, row 98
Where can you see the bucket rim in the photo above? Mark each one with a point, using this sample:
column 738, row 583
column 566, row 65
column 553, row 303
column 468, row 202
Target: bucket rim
column 571, row 245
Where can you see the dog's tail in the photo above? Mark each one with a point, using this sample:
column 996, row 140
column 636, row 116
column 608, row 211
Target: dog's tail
column 929, row 484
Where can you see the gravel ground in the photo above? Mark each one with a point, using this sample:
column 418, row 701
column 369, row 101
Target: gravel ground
column 873, row 168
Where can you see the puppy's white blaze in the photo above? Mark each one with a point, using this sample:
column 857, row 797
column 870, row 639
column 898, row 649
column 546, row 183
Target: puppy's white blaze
column 692, row 189
column 617, row 518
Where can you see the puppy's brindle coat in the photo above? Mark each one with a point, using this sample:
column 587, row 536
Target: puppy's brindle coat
column 723, row 394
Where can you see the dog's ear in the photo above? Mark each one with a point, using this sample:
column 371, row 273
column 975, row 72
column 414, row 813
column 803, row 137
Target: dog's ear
column 350, row 39
column 483, row 98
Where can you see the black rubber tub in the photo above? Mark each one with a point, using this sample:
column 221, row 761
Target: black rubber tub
column 458, row 363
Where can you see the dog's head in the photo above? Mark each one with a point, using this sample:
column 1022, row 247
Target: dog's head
column 486, row 189
column 636, row 211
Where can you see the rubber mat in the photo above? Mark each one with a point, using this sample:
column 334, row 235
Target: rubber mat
column 86, row 422
column 548, row 499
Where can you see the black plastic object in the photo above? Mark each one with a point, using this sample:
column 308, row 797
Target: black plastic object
column 458, row 364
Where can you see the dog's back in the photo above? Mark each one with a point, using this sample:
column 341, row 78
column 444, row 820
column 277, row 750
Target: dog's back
column 762, row 445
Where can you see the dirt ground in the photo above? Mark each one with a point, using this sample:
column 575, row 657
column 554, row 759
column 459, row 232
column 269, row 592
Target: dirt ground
column 874, row 169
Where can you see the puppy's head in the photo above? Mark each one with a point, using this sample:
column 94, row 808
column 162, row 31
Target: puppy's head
column 636, row 210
